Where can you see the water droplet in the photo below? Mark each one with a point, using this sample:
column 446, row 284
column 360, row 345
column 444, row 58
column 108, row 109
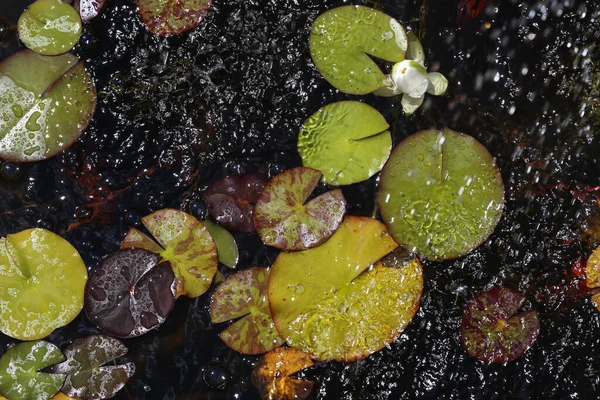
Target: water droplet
column 300, row 289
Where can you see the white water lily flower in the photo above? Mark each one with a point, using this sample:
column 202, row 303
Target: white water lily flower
column 410, row 78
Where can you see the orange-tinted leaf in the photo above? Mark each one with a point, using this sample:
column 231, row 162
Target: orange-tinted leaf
column 137, row 239
column 170, row 17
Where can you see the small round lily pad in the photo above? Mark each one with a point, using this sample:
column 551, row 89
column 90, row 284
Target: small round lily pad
column 130, row 293
column 50, row 27
column 284, row 219
column 342, row 39
column 227, row 248
column 492, row 328
column 19, row 379
column 43, row 279
column 88, row 378
column 171, row 17
column 243, row 296
column 272, row 375
column 440, row 194
column 347, row 141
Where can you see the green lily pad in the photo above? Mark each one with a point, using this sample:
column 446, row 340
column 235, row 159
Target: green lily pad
column 42, row 285
column 243, row 296
column 45, row 104
column 342, row 40
column 19, row 379
column 185, row 242
column 50, row 27
column 332, row 302
column 440, row 194
column 171, row 17
column 227, row 249
column 284, row 219
column 347, row 141
column 88, row 378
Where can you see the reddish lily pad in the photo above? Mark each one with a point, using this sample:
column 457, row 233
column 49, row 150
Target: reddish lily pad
column 243, row 296
column 43, row 279
column 492, row 330
column 272, row 375
column 231, row 200
column 130, row 293
column 171, row 17
column 284, row 219
column 89, row 9
column 88, row 378
column 19, row 379
column 185, row 242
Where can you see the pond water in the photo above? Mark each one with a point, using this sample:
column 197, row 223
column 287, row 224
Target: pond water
column 175, row 114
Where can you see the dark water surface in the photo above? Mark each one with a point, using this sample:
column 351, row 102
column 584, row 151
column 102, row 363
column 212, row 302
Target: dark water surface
column 176, row 114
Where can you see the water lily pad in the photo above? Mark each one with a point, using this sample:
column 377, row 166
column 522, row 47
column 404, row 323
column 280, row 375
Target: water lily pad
column 89, row 9
column 440, row 194
column 45, row 104
column 347, row 141
column 42, row 282
column 19, row 379
column 88, row 378
column 243, row 296
column 592, row 275
column 283, row 217
column 342, row 39
column 171, row 17
column 130, row 293
column 333, row 303
column 50, row 27
column 493, row 330
column 227, row 248
column 272, row 375
column 231, row 200
column 185, row 242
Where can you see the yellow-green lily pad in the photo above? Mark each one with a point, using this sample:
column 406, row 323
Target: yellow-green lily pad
column 336, row 301
column 440, row 194
column 243, row 296
column 227, row 248
column 347, row 141
column 342, row 39
column 42, row 282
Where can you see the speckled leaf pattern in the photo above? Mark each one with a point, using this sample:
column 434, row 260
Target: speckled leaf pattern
column 342, row 39
column 592, row 275
column 188, row 246
column 493, row 330
column 283, row 220
column 88, row 378
column 243, row 295
column 271, row 375
column 171, row 17
column 42, row 280
column 347, row 141
column 333, row 303
column 89, row 9
column 138, row 239
column 19, row 379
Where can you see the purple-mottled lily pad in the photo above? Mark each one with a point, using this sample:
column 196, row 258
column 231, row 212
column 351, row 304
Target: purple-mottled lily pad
column 87, row 376
column 171, row 17
column 231, row 200
column 89, row 9
column 129, row 293
column 284, row 219
column 243, row 295
column 492, row 330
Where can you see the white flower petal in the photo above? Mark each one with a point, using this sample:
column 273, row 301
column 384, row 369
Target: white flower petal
column 437, row 83
column 388, row 89
column 410, row 77
column 415, row 50
column 410, row 104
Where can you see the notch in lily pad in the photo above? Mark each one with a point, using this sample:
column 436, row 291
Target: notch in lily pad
column 440, row 194
column 243, row 296
column 184, row 242
column 493, row 329
column 347, row 141
column 45, row 104
column 87, row 375
column 227, row 249
column 172, row 17
column 19, row 366
column 285, row 220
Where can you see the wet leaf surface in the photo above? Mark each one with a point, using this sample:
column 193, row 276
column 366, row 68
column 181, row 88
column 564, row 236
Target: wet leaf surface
column 441, row 194
column 43, row 279
column 19, row 379
column 592, row 275
column 342, row 39
column 285, row 219
column 492, row 328
column 347, row 141
column 89, row 9
column 88, row 376
column 227, row 248
column 171, row 17
column 130, row 293
column 243, row 297
column 271, row 375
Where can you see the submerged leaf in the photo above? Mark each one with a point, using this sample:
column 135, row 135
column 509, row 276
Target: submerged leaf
column 171, row 17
